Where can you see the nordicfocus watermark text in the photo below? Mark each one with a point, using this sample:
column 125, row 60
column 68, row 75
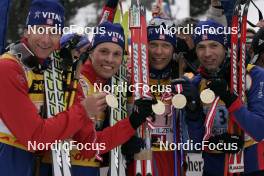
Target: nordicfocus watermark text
column 163, row 29
column 124, row 87
column 190, row 29
column 66, row 145
column 189, row 145
column 57, row 29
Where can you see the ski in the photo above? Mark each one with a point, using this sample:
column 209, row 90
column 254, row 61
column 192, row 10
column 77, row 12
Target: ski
column 234, row 163
column 117, row 164
column 55, row 100
column 140, row 78
column 61, row 81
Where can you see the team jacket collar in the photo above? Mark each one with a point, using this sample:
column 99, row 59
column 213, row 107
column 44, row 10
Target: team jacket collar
column 160, row 74
column 89, row 72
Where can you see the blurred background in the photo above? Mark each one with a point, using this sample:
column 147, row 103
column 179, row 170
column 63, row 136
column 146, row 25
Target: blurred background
column 87, row 12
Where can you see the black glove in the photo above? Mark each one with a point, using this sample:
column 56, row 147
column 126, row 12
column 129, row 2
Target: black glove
column 190, row 56
column 193, row 108
column 182, row 46
column 220, row 88
column 231, row 143
column 132, row 146
column 141, row 110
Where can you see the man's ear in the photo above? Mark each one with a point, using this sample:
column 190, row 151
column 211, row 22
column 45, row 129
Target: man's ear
column 25, row 33
column 91, row 55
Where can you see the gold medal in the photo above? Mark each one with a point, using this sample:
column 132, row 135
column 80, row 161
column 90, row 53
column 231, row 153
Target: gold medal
column 207, row 96
column 179, row 101
column 158, row 108
column 111, row 101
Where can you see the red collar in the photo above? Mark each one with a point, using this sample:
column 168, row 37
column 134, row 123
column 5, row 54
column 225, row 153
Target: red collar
column 202, row 71
column 89, row 72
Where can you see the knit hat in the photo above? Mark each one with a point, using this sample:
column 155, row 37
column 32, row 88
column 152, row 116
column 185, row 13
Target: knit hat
column 257, row 44
column 112, row 32
column 210, row 30
column 46, row 12
column 157, row 30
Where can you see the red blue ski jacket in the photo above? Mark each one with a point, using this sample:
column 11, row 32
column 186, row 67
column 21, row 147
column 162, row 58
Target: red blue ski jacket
column 250, row 119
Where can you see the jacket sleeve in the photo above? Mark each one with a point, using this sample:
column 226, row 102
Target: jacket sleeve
column 21, row 117
column 251, row 118
column 107, row 139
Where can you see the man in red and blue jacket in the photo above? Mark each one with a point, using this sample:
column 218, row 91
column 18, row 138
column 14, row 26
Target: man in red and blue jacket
column 211, row 51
